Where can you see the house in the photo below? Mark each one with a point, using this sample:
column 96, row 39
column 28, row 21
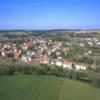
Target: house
column 59, row 57
column 98, row 43
column 24, row 46
column 81, row 44
column 79, row 66
column 52, row 63
column 67, row 64
column 14, row 49
column 33, row 54
column 45, row 60
column 90, row 43
column 3, row 54
column 29, row 58
column 7, row 46
column 17, row 54
column 24, row 58
column 29, row 45
column 59, row 63
column 58, row 53
column 66, row 50
column 95, row 39
column 89, row 52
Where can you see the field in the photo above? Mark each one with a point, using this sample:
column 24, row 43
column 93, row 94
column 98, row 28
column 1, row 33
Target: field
column 31, row 87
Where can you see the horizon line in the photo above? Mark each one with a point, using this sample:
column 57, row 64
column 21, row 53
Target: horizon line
column 50, row 29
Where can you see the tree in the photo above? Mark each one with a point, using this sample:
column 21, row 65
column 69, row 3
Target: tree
column 53, row 55
column 73, row 66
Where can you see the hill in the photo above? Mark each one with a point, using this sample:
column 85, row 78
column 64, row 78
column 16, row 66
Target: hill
column 28, row 87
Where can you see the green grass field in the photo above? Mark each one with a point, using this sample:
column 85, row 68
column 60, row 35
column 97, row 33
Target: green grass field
column 28, row 87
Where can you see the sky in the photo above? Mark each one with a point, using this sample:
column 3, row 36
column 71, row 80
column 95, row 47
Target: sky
column 49, row 14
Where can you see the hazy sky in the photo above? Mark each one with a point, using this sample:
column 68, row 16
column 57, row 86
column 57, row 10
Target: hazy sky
column 48, row 14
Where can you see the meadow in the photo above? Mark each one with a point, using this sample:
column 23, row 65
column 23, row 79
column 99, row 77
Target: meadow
column 39, row 87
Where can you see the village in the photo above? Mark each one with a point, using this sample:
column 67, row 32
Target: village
column 49, row 52
column 49, row 49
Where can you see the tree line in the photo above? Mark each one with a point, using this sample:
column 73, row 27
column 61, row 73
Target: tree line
column 93, row 79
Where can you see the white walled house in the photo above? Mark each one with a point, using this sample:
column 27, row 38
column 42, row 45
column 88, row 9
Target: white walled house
column 3, row 53
column 59, row 57
column 98, row 43
column 59, row 63
column 24, row 58
column 67, row 65
column 24, row 47
column 29, row 58
column 15, row 50
column 89, row 52
column 80, row 67
column 90, row 43
column 52, row 63
column 81, row 44
column 58, row 53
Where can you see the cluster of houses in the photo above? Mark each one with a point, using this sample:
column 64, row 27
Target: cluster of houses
column 38, row 49
column 91, row 41
column 59, row 60
column 17, row 52
column 64, row 63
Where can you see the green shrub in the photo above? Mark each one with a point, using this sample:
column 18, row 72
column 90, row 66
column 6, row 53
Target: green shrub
column 75, row 75
column 11, row 71
column 96, row 82
column 40, row 71
column 57, row 72
column 97, row 69
column 27, row 70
